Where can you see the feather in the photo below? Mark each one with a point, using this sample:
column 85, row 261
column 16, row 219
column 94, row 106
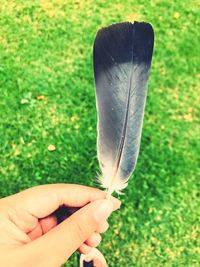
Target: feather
column 121, row 57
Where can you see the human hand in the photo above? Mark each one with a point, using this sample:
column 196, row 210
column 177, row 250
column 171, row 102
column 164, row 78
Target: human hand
column 29, row 231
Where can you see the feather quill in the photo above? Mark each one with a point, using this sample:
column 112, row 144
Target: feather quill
column 121, row 57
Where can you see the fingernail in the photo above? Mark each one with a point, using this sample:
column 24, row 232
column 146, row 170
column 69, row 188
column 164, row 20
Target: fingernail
column 103, row 210
column 116, row 203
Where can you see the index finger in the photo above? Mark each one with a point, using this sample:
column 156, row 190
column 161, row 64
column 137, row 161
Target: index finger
column 43, row 200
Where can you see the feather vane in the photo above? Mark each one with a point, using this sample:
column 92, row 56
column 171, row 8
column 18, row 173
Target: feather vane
column 121, row 57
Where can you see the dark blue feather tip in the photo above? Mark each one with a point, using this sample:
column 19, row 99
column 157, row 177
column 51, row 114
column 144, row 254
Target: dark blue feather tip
column 115, row 44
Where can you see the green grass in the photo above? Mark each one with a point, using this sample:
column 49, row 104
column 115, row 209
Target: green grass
column 46, row 49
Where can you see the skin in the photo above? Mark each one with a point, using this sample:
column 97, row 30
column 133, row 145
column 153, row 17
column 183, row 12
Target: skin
column 29, row 230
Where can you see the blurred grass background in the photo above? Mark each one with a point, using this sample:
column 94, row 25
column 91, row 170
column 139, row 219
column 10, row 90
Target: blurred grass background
column 48, row 119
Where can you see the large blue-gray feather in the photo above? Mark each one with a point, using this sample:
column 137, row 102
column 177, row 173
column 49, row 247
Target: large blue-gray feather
column 122, row 59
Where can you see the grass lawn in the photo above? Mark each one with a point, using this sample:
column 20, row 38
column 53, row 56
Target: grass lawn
column 47, row 98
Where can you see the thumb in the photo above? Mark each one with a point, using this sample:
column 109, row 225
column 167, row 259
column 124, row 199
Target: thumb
column 56, row 246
